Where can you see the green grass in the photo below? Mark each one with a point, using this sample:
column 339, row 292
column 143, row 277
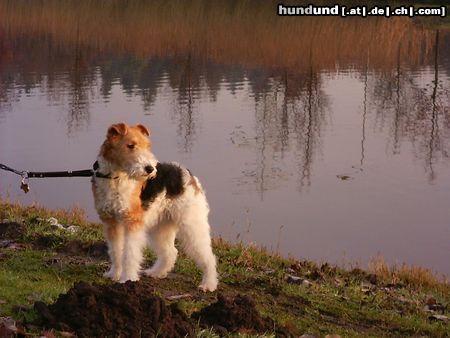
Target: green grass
column 333, row 303
column 30, row 275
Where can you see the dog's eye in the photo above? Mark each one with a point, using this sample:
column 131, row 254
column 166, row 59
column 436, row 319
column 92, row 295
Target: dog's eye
column 131, row 146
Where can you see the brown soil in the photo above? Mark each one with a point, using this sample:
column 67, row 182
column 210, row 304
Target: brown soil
column 133, row 310
column 11, row 230
column 97, row 249
column 237, row 315
column 125, row 310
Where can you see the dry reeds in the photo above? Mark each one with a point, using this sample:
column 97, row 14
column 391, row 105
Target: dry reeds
column 8, row 208
column 244, row 32
column 408, row 274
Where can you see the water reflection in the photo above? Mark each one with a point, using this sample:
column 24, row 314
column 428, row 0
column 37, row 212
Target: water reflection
column 289, row 115
column 270, row 110
column 413, row 108
column 289, row 106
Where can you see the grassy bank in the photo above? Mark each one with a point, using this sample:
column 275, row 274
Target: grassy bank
column 39, row 261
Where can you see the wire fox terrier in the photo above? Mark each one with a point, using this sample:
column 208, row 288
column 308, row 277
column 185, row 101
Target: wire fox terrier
column 147, row 201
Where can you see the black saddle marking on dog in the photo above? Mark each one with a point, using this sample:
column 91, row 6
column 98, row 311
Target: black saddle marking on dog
column 169, row 177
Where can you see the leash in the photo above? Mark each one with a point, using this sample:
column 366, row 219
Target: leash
column 25, row 175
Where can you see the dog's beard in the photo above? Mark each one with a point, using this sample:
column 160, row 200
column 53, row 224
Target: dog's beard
column 139, row 173
column 136, row 169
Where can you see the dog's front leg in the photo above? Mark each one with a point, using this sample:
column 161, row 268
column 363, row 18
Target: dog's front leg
column 135, row 238
column 114, row 235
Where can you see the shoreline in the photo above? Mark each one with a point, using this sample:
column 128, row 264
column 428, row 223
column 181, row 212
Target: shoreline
column 40, row 260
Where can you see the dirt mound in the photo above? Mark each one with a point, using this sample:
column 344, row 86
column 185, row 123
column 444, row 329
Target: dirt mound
column 97, row 249
column 11, row 230
column 236, row 315
column 125, row 310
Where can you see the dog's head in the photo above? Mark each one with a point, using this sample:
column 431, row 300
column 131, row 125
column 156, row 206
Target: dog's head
column 128, row 149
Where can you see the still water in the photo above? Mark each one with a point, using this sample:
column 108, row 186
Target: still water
column 323, row 139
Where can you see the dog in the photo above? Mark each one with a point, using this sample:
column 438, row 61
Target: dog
column 142, row 201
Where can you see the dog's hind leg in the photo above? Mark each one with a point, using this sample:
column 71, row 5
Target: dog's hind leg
column 135, row 239
column 162, row 241
column 114, row 235
column 196, row 240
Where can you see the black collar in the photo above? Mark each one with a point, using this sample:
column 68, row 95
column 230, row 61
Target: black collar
column 95, row 167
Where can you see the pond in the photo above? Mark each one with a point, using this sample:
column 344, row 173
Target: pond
column 320, row 138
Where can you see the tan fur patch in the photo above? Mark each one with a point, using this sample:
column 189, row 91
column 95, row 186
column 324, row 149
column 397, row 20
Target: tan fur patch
column 110, row 230
column 194, row 184
column 134, row 219
column 122, row 141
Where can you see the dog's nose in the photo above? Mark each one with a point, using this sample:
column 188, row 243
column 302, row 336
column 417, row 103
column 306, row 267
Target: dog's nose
column 148, row 169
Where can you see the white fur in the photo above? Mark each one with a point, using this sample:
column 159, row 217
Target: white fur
column 135, row 168
column 115, row 251
column 184, row 217
column 132, row 255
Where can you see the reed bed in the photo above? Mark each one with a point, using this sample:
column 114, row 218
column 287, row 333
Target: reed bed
column 411, row 274
column 234, row 32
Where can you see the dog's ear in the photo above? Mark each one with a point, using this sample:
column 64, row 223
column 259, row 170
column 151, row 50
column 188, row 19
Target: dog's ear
column 117, row 129
column 143, row 130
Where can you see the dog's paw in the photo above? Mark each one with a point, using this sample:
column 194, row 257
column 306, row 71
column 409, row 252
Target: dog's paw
column 132, row 278
column 112, row 274
column 208, row 286
column 155, row 273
